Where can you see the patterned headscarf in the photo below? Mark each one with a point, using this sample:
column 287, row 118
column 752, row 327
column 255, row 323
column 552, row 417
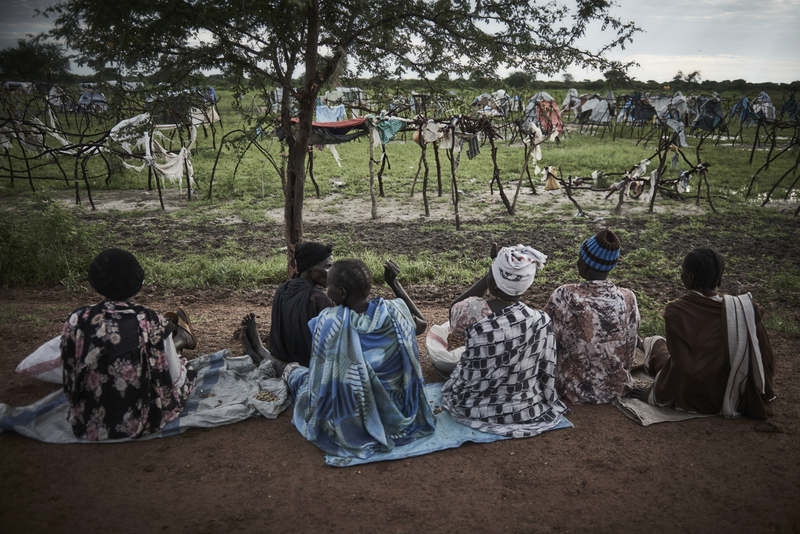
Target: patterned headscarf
column 514, row 268
column 601, row 251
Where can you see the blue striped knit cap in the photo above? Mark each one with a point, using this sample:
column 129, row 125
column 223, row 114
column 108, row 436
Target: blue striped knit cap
column 601, row 251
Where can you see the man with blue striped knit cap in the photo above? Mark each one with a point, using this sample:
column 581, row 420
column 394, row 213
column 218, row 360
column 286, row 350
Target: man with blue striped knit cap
column 596, row 325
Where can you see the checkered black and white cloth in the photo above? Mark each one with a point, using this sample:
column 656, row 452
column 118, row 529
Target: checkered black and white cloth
column 505, row 381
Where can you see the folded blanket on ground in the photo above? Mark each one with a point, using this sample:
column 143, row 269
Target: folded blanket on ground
column 448, row 435
column 224, row 393
column 647, row 414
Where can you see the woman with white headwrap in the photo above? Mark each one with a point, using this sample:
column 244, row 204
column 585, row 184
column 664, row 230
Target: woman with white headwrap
column 505, row 381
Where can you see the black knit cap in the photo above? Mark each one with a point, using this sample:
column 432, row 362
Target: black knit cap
column 116, row 274
column 311, row 253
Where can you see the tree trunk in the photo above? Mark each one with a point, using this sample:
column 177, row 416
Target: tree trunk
column 293, row 194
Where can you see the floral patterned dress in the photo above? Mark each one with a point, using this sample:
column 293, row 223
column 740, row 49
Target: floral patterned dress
column 116, row 376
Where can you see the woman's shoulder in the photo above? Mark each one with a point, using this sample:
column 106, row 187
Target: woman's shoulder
column 320, row 299
column 691, row 301
column 87, row 311
column 471, row 302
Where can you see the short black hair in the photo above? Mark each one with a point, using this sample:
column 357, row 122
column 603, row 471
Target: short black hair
column 353, row 275
column 707, row 266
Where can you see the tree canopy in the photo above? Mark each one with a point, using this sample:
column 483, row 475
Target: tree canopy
column 519, row 79
column 268, row 42
column 32, row 61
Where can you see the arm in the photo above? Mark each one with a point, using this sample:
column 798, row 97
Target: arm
column 477, row 290
column 390, row 272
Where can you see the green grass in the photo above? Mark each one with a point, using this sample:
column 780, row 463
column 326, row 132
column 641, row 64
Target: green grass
column 230, row 269
column 576, row 155
column 9, row 314
column 651, row 313
column 44, row 242
column 783, row 323
column 647, row 262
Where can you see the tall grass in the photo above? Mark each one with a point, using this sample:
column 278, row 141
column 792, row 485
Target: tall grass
column 43, row 243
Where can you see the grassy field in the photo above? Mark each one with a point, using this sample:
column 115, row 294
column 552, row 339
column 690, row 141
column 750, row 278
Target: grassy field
column 44, row 241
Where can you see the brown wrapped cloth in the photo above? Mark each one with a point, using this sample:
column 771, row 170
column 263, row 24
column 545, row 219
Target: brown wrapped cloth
column 693, row 363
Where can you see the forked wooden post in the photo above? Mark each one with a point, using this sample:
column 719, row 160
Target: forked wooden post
column 372, row 196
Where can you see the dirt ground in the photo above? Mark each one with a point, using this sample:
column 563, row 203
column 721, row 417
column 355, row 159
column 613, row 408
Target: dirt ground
column 604, row 475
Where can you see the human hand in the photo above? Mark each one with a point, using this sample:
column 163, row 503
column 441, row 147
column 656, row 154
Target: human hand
column 390, row 271
column 493, row 251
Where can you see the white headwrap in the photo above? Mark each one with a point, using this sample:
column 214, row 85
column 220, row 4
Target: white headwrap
column 514, row 268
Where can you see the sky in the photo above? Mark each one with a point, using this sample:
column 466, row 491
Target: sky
column 757, row 41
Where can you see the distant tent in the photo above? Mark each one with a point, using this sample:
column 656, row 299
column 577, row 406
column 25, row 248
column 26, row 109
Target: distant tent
column 91, row 99
column 710, row 114
column 571, row 101
column 498, row 104
column 25, row 87
column 274, row 100
column 543, row 111
column 128, row 86
column 593, row 108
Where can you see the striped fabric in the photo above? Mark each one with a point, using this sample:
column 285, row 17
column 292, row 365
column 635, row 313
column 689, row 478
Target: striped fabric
column 505, row 381
column 597, row 257
column 364, row 390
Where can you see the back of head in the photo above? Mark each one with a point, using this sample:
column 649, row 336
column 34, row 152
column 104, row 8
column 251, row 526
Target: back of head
column 601, row 251
column 116, row 274
column 353, row 275
column 706, row 266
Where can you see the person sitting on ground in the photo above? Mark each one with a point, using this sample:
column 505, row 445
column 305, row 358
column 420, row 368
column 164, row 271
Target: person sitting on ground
column 717, row 356
column 504, row 383
column 299, row 300
column 123, row 376
column 596, row 325
column 363, row 391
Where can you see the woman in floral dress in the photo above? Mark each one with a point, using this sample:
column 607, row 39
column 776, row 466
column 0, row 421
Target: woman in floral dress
column 123, row 375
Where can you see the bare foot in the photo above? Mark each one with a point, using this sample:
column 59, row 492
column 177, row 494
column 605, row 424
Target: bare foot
column 248, row 349
column 252, row 346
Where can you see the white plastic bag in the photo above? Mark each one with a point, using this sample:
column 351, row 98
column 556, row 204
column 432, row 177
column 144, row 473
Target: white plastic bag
column 444, row 360
column 45, row 362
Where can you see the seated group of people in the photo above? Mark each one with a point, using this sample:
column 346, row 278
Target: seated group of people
column 352, row 363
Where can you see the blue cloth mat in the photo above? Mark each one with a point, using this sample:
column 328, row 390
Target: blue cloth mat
column 448, row 435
